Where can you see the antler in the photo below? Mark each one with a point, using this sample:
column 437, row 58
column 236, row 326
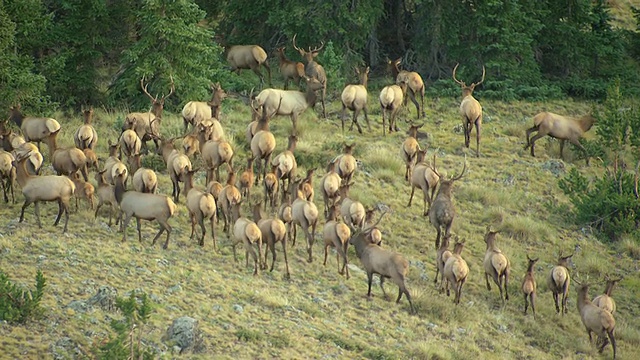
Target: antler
column 458, row 177
column 433, row 166
column 277, row 109
column 294, row 43
column 317, row 49
column 454, row 76
column 173, row 88
column 144, row 88
column 481, row 81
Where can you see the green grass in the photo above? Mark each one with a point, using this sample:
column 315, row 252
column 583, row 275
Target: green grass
column 319, row 313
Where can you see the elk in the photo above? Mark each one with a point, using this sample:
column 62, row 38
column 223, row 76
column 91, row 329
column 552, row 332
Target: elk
column 247, row 232
column 561, row 128
column 354, row 98
column 410, row 148
column 9, row 139
column 229, row 196
column 304, row 214
column 44, row 188
column 307, row 185
column 289, row 70
column 605, row 301
column 496, row 265
column 106, row 196
column 456, row 271
column 66, row 161
column 33, row 128
column 596, row 320
column 84, row 190
column 86, row 136
column 352, row 211
column 330, row 187
column 558, row 282
column 391, row 100
column 249, row 57
column 273, row 230
column 113, row 165
column 271, row 185
column 413, row 82
column 314, row 70
column 214, row 152
column 144, row 206
column 246, row 180
column 287, row 102
column 177, row 164
column 470, row 109
column 7, row 175
column 194, row 112
column 262, row 146
column 336, row 234
column 146, row 125
column 130, row 143
column 144, row 180
column 386, row 263
column 442, row 254
column 425, row 177
column 441, row 212
column 529, row 287
column 285, row 163
column 201, row 206
column 346, row 163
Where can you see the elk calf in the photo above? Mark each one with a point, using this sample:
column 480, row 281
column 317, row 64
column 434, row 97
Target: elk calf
column 558, row 282
column 456, row 271
column 529, row 287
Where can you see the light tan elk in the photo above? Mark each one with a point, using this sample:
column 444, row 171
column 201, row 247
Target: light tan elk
column 391, row 101
column 273, row 230
column 596, row 320
column 84, row 190
column 214, row 152
column 307, row 185
column 262, row 146
column 246, row 180
column 314, row 70
column 177, row 164
column 558, row 282
column 442, row 211
column 286, row 165
column 33, row 128
column 304, row 214
column 147, row 124
column 106, row 196
column 66, row 161
column 352, row 211
column 456, row 271
column 605, row 301
column 271, row 185
column 561, row 128
column 130, row 143
column 409, row 150
column 529, row 287
column 414, row 84
column 442, row 255
column 86, row 136
column 330, row 187
column 201, row 206
column 426, row 177
column 44, row 188
column 471, row 110
column 144, row 206
column 386, row 263
column 229, row 196
column 7, row 175
column 290, row 70
column 194, row 112
column 354, row 98
column 496, row 265
column 248, row 233
column 287, row 102
column 249, row 57
column 346, row 164
column 336, row 234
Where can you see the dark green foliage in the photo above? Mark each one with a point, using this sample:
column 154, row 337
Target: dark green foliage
column 18, row 304
column 126, row 343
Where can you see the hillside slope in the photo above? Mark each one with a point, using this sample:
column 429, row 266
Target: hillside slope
column 318, row 313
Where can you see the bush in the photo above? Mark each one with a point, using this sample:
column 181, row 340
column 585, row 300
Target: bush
column 17, row 304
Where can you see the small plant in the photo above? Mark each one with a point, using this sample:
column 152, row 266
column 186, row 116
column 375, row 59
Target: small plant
column 17, row 304
column 127, row 344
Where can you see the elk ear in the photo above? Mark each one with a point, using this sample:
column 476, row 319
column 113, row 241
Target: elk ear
column 367, row 70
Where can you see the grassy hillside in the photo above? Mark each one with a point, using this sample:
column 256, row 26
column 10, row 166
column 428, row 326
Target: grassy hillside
column 318, row 313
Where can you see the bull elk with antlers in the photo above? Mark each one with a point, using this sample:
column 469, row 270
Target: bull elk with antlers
column 249, row 57
column 314, row 70
column 146, row 124
column 470, row 109
column 413, row 82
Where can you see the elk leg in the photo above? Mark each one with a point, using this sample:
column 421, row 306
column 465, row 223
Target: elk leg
column 204, row 231
column 273, row 256
column 526, row 304
column 60, row 212
column 139, row 227
column 412, row 95
column 124, row 225
column 528, row 132
column 478, row 126
column 562, row 149
column 369, row 280
column 324, row 95
column 486, row 278
column 383, row 121
column 506, row 287
column 193, row 225
column 366, row 117
column 286, row 260
column 384, row 293
column 576, row 142
column 413, row 189
column 326, row 253
column 342, row 116
column 65, row 206
column 167, row 227
column 533, row 142
column 555, row 299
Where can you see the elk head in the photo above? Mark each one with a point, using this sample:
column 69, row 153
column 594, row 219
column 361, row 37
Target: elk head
column 467, row 90
column 157, row 105
column 311, row 53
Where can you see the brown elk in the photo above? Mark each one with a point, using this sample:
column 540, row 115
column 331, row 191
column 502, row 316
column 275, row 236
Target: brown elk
column 470, row 109
column 561, row 128
column 442, row 212
column 195, row 112
column 314, row 70
column 146, row 125
column 529, row 287
column 290, row 70
column 249, row 57
column 413, row 81
column 354, row 98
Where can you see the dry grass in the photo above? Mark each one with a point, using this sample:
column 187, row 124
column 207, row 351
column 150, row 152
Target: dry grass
column 319, row 314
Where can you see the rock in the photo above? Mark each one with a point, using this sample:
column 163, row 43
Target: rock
column 238, row 308
column 174, row 288
column 184, row 335
column 105, row 298
column 556, row 167
column 78, row 306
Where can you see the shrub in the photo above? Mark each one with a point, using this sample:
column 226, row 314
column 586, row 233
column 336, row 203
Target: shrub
column 17, row 304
